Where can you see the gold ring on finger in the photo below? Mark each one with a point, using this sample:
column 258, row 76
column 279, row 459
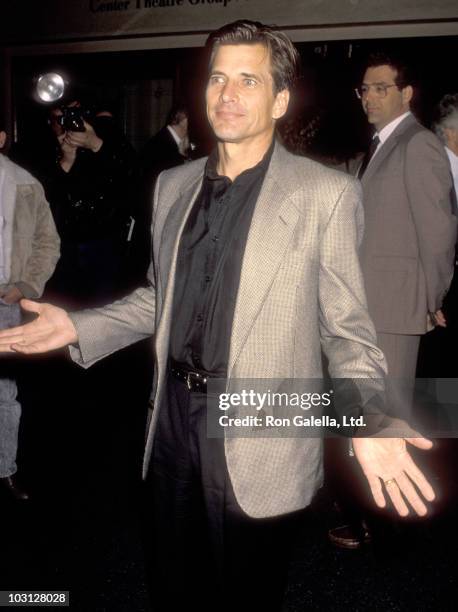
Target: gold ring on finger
column 389, row 481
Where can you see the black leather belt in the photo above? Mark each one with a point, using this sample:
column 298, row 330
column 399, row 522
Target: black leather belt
column 195, row 381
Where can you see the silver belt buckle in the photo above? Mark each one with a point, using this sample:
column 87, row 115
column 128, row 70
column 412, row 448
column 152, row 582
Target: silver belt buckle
column 197, row 376
column 189, row 376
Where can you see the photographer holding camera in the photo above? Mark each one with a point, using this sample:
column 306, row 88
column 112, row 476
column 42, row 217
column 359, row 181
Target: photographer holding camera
column 88, row 184
column 72, row 132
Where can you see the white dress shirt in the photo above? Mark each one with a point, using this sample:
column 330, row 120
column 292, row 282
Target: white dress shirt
column 453, row 158
column 177, row 139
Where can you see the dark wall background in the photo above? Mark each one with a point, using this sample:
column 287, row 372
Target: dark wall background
column 324, row 106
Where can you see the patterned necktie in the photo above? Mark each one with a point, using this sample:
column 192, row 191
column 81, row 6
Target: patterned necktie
column 369, row 153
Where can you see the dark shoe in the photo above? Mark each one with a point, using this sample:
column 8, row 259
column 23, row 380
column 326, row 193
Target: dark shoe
column 13, row 489
column 348, row 537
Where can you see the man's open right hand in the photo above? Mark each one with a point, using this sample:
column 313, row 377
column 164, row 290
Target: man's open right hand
column 52, row 329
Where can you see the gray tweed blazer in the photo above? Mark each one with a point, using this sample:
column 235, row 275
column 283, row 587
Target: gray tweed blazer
column 300, row 295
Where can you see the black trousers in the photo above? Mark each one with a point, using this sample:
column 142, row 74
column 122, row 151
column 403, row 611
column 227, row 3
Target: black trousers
column 205, row 551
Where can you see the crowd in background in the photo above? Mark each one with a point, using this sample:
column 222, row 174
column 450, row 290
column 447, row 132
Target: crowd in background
column 99, row 192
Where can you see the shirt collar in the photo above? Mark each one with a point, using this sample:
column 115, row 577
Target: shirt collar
column 212, row 163
column 386, row 132
column 175, row 136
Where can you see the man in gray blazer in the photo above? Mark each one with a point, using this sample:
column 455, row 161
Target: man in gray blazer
column 255, row 272
column 407, row 252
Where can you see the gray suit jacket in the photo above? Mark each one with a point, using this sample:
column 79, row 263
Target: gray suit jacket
column 301, row 292
column 409, row 238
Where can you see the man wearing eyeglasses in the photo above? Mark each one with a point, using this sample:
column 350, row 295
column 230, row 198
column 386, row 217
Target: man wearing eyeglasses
column 407, row 251
column 408, row 246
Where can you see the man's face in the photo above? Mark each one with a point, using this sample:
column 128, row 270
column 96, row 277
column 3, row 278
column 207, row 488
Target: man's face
column 181, row 127
column 381, row 111
column 241, row 104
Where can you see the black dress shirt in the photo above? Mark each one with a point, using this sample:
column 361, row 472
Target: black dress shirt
column 209, row 265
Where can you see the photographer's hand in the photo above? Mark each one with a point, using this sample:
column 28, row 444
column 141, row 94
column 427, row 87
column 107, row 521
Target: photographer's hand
column 87, row 139
column 68, row 153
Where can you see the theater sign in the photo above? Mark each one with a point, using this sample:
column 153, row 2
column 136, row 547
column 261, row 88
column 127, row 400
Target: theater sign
column 65, row 20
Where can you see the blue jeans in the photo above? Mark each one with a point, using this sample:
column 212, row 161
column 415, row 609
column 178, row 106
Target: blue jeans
column 10, row 409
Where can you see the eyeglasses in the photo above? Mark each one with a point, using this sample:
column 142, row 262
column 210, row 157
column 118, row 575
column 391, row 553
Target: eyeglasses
column 380, row 90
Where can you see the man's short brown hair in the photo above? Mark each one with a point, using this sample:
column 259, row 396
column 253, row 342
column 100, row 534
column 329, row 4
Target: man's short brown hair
column 283, row 54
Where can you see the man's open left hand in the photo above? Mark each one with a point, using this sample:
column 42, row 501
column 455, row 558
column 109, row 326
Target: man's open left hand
column 388, row 466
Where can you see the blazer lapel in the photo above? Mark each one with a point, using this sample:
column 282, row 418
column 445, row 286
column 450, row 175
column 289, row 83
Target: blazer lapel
column 173, row 228
column 274, row 219
column 168, row 252
column 386, row 149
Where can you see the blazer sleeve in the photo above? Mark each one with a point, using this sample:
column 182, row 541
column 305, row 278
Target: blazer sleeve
column 103, row 331
column 429, row 186
column 347, row 333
